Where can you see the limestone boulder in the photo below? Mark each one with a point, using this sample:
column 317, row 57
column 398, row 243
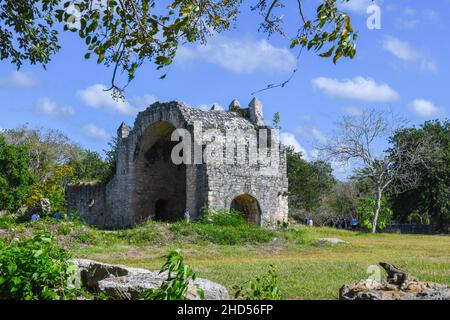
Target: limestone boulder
column 399, row 286
column 90, row 272
column 122, row 282
column 132, row 286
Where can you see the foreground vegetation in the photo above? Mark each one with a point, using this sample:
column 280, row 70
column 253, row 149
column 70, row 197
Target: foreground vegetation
column 233, row 254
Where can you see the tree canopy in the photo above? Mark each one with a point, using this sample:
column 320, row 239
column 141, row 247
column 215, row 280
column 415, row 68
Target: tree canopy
column 124, row 34
column 309, row 182
column 430, row 200
column 15, row 177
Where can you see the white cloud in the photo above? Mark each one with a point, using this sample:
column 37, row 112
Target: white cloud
column 319, row 135
column 91, row 130
column 18, row 79
column 404, row 51
column 289, row 139
column 241, row 56
column 358, row 88
column 95, row 96
column 425, row 108
column 356, row 6
column 142, row 102
column 400, row 49
column 50, row 107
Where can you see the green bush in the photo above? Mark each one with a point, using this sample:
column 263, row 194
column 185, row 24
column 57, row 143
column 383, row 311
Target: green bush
column 264, row 287
column 138, row 235
column 176, row 285
column 366, row 211
column 64, row 229
column 7, row 221
column 15, row 177
column 36, row 268
column 225, row 235
column 223, row 218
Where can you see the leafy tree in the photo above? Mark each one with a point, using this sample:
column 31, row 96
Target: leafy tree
column 367, row 209
column 124, row 34
column 356, row 140
column 309, row 183
column 15, row 177
column 52, row 188
column 47, row 149
column 431, row 198
column 343, row 200
column 90, row 167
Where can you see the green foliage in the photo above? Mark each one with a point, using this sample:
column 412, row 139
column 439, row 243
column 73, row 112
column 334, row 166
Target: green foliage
column 331, row 27
column 125, row 35
column 176, row 285
column 366, row 210
column 36, row 268
column 431, row 198
column 224, row 235
column 7, row 221
column 27, row 31
column 111, row 158
column 223, row 217
column 91, row 167
column 309, row 183
column 263, row 287
column 47, row 149
column 276, row 121
column 15, row 177
column 343, row 200
column 52, row 188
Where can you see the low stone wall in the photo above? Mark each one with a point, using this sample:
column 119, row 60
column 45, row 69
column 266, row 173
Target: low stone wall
column 88, row 200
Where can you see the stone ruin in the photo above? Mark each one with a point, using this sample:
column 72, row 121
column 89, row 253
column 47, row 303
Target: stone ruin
column 148, row 184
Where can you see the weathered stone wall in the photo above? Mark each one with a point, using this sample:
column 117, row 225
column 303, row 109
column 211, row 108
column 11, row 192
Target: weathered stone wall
column 148, row 185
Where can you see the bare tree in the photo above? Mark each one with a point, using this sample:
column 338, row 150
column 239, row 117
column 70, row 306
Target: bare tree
column 356, row 141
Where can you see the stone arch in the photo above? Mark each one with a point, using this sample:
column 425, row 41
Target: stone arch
column 249, row 207
column 159, row 185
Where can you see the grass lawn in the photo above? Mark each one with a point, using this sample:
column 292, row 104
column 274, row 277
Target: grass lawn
column 306, row 271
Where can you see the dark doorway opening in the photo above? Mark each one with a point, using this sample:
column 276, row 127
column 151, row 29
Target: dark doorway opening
column 249, row 207
column 159, row 184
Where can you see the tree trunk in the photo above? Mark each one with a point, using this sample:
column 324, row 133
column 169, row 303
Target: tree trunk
column 377, row 211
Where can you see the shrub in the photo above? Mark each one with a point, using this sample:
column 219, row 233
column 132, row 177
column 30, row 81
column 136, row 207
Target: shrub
column 264, row 287
column 223, row 218
column 366, row 210
column 7, row 221
column 64, row 229
column 15, row 176
column 138, row 235
column 52, row 188
column 36, row 268
column 225, row 235
column 176, row 285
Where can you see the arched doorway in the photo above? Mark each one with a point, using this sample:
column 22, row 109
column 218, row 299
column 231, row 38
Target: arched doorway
column 159, row 184
column 249, row 207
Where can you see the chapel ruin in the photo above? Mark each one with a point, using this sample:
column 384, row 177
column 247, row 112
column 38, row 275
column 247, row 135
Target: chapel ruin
column 149, row 184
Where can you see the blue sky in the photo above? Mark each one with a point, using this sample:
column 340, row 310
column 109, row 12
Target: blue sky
column 403, row 66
